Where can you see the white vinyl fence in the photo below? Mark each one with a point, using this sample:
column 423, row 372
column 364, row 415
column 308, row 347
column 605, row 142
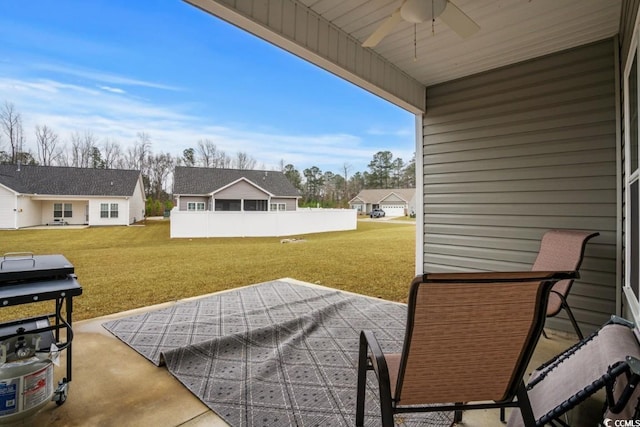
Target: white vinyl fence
column 260, row 224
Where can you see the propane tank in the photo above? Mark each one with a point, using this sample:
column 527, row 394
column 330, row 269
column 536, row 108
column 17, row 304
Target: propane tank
column 26, row 377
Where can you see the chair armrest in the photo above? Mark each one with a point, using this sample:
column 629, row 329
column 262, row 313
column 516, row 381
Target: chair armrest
column 498, row 276
column 376, row 361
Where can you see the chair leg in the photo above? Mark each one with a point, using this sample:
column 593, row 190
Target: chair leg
column 457, row 416
column 526, row 411
column 503, row 418
column 572, row 318
column 362, row 383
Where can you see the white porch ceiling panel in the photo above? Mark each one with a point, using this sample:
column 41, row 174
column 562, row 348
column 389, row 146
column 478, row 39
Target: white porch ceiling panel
column 329, row 33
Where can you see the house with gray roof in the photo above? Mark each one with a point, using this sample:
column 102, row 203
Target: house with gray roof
column 393, row 201
column 215, row 189
column 53, row 195
column 213, row 202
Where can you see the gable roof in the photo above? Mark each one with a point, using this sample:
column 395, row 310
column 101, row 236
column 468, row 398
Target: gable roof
column 376, row 195
column 67, row 181
column 192, row 180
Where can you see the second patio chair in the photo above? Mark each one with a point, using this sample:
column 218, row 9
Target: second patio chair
column 469, row 338
column 562, row 250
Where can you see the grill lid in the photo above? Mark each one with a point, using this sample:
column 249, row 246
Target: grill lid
column 19, row 266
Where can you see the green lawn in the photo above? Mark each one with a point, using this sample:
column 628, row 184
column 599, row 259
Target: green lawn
column 122, row 268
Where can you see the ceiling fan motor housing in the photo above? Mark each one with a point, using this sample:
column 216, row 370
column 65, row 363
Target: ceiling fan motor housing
column 418, row 11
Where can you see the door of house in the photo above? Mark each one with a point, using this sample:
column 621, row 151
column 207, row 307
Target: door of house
column 86, row 213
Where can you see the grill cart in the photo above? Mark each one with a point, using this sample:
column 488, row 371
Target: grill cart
column 29, row 347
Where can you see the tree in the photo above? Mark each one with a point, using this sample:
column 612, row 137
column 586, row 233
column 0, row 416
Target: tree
column 95, row 160
column 397, row 166
column 293, row 176
column 46, row 142
column 189, row 157
column 208, row 153
column 244, row 161
column 138, row 154
column 380, row 169
column 112, row 154
column 82, row 148
column 313, row 183
column 160, row 167
column 11, row 126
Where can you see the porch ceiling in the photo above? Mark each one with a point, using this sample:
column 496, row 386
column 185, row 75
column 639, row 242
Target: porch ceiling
column 511, row 31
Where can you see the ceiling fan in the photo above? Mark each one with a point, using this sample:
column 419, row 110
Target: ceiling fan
column 419, row 11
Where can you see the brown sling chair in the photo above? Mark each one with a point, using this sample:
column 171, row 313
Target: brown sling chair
column 469, row 338
column 562, row 250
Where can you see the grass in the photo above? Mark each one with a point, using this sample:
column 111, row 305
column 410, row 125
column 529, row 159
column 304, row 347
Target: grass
column 121, row 268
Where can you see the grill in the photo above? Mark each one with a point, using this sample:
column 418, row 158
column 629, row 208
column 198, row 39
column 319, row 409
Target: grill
column 29, row 347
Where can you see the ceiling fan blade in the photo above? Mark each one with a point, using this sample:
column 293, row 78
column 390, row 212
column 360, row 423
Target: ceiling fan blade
column 383, row 30
column 458, row 21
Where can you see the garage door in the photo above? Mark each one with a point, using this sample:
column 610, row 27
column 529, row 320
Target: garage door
column 7, row 215
column 393, row 209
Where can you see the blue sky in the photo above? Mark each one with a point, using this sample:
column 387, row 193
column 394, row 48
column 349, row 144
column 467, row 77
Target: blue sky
column 119, row 67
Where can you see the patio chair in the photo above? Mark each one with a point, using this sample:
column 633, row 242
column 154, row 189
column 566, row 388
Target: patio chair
column 608, row 359
column 469, row 338
column 562, row 250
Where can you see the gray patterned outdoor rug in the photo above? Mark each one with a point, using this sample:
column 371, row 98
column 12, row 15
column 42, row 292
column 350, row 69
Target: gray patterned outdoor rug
column 273, row 354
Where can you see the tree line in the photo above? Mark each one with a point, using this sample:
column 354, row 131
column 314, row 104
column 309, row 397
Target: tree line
column 87, row 150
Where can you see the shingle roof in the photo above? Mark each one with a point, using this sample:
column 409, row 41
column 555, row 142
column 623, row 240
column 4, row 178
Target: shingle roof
column 376, row 195
column 188, row 180
column 56, row 180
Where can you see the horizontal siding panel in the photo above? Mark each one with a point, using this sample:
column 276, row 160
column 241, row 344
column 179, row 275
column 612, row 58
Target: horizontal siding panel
column 466, row 161
column 495, row 116
column 543, row 221
column 509, row 77
column 567, row 209
column 594, row 169
column 566, row 137
column 531, row 96
column 512, row 153
column 594, row 196
column 524, row 126
column 528, row 185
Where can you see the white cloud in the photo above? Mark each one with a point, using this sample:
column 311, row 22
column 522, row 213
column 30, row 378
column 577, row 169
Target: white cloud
column 109, row 112
column 112, row 89
column 102, row 77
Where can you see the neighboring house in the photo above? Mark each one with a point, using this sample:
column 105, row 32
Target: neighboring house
column 394, row 202
column 213, row 202
column 52, row 195
column 215, row 189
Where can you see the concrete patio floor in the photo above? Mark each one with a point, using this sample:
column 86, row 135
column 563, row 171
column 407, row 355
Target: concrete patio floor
column 113, row 385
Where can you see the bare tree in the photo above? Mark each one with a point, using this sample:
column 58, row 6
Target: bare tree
column 112, row 154
column 11, row 124
column 244, row 161
column 208, row 153
column 47, row 145
column 160, row 167
column 137, row 155
column 83, row 149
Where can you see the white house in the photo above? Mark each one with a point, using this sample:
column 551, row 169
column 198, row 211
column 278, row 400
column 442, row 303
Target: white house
column 393, row 201
column 215, row 202
column 50, row 195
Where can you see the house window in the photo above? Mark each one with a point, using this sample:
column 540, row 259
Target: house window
column 195, row 206
column 62, row 210
column 632, row 185
column 255, row 205
column 278, row 207
column 108, row 210
column 228, row 205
